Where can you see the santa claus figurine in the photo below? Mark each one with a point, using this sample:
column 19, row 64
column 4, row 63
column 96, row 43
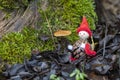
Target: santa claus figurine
column 82, row 46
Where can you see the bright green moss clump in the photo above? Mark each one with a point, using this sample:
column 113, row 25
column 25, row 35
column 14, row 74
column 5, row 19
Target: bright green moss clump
column 66, row 14
column 15, row 46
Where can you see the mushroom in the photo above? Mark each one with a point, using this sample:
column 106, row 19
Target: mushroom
column 62, row 41
column 60, row 33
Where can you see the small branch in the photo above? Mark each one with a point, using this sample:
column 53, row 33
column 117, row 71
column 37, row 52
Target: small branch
column 107, row 47
column 50, row 28
column 104, row 45
column 43, row 72
column 93, row 44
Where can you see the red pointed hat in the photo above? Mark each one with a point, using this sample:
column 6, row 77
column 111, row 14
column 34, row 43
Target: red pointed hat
column 84, row 26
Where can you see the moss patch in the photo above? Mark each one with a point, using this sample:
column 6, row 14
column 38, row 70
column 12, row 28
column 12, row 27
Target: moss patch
column 66, row 14
column 13, row 4
column 15, row 46
column 59, row 14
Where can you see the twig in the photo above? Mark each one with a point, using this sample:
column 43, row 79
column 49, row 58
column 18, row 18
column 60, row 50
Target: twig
column 104, row 45
column 107, row 47
column 50, row 29
column 55, row 60
column 44, row 71
column 93, row 44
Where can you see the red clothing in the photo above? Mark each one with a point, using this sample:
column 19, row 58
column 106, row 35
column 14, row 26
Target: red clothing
column 88, row 51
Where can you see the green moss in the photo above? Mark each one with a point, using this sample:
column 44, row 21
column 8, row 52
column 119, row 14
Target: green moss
column 59, row 14
column 15, row 46
column 66, row 14
column 13, row 4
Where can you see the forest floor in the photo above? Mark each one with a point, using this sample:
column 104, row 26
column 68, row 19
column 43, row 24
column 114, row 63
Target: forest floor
column 104, row 66
column 43, row 65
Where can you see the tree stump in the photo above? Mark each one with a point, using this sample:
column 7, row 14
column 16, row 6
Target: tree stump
column 18, row 19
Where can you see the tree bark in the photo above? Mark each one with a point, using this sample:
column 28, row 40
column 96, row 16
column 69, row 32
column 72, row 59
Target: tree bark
column 19, row 19
column 108, row 11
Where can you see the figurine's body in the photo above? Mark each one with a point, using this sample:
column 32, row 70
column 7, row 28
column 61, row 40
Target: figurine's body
column 82, row 46
column 78, row 48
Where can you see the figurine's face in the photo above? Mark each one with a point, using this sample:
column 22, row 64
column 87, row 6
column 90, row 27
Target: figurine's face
column 83, row 35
